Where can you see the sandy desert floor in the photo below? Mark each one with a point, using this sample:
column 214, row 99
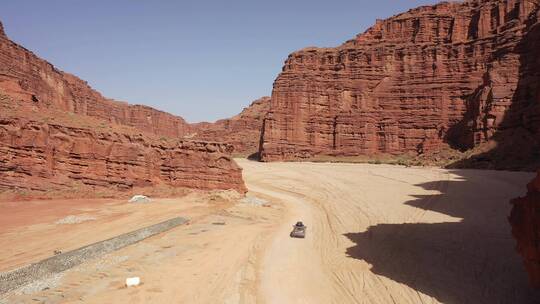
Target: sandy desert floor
column 376, row 234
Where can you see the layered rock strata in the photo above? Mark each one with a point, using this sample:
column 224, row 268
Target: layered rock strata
column 57, row 133
column 24, row 76
column 46, row 156
column 449, row 74
column 242, row 131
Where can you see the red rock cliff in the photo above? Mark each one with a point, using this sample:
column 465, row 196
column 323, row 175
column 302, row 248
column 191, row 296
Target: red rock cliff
column 436, row 75
column 49, row 156
column 56, row 133
column 24, row 76
column 242, row 131
column 525, row 221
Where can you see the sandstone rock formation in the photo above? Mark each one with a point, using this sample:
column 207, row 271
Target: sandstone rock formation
column 525, row 221
column 56, row 133
column 450, row 74
column 516, row 138
column 24, row 76
column 47, row 156
column 242, row 131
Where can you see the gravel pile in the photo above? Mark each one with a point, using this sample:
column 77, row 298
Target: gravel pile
column 48, row 282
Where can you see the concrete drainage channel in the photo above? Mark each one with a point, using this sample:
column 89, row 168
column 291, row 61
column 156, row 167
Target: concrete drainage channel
column 19, row 277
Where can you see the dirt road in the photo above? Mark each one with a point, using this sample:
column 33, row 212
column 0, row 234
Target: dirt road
column 376, row 234
column 387, row 234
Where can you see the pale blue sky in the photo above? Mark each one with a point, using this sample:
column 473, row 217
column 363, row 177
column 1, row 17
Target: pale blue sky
column 202, row 60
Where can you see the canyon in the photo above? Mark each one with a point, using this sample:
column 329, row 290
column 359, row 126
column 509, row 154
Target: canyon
column 26, row 77
column 453, row 75
column 457, row 76
column 59, row 135
column 242, row 131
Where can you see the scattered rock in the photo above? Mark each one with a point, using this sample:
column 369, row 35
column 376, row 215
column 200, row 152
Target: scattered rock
column 139, row 199
column 75, row 219
column 254, row 201
column 226, row 195
column 134, row 281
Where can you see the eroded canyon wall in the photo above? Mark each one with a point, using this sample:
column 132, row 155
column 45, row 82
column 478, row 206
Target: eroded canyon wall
column 242, row 131
column 24, row 76
column 57, row 133
column 452, row 74
column 45, row 157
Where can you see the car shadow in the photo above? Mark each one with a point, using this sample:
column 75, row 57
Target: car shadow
column 469, row 258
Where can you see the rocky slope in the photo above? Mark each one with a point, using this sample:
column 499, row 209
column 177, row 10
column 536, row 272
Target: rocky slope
column 24, row 76
column 525, row 221
column 52, row 156
column 242, row 131
column 453, row 74
column 56, row 134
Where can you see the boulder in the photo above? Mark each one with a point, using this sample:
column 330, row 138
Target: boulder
column 139, row 199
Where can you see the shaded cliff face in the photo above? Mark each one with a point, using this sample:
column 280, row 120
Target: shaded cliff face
column 242, row 131
column 516, row 142
column 525, row 221
column 41, row 155
column 431, row 77
column 24, row 76
column 56, row 133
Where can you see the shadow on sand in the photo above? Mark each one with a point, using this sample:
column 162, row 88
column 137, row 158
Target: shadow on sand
column 471, row 261
column 254, row 156
column 468, row 261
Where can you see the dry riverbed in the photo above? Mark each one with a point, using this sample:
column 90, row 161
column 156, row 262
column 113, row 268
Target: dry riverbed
column 376, row 234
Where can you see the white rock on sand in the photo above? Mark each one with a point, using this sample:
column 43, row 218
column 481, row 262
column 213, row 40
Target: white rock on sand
column 135, row 281
column 139, row 199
